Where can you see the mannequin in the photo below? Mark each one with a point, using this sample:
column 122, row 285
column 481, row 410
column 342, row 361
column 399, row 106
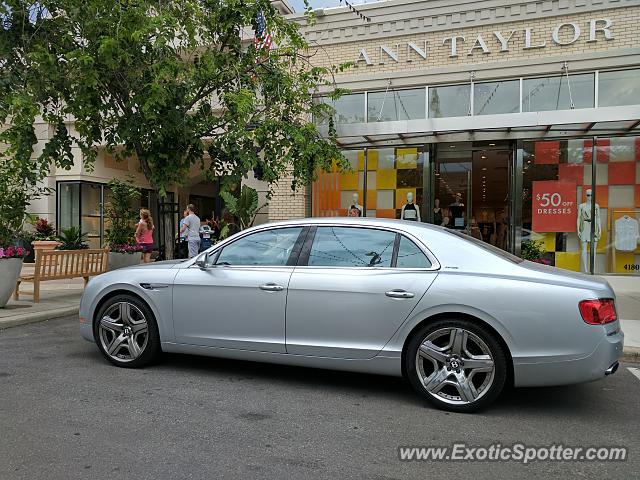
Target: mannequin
column 437, row 212
column 410, row 211
column 354, row 204
column 457, row 212
column 584, row 229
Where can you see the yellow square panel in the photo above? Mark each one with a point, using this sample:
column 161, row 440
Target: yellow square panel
column 407, row 158
column 361, row 160
column 401, row 196
column 549, row 241
column 372, row 160
column 372, row 199
column 623, row 259
column 349, row 181
column 568, row 260
column 386, row 179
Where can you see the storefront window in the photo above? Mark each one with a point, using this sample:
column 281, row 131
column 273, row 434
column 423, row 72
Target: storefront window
column 619, row 88
column 394, row 183
column 348, row 109
column 91, row 206
column 449, row 101
column 556, row 93
column 617, row 195
column 496, row 97
column 556, row 178
column 68, row 205
column 396, row 105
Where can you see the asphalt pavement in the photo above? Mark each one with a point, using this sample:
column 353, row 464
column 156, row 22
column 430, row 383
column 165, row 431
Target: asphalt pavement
column 66, row 413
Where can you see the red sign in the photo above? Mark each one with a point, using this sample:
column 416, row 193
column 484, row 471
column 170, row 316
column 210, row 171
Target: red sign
column 553, row 206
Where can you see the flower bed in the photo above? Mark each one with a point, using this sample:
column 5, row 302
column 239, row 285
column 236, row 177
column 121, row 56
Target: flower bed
column 13, row 252
column 125, row 248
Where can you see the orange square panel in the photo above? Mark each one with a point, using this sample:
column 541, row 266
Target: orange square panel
column 570, row 172
column 622, row 173
column 602, row 195
column 547, row 153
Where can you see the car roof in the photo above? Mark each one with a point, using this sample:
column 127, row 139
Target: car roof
column 356, row 221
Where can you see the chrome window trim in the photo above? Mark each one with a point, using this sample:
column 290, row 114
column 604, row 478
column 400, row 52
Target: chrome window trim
column 435, row 264
column 217, row 248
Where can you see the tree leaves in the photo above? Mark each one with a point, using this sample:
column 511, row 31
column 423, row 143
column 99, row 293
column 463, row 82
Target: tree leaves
column 165, row 82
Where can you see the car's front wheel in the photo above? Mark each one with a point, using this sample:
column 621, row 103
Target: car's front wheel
column 126, row 332
column 456, row 365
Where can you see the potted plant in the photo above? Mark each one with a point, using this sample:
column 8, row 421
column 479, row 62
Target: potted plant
column 244, row 206
column 72, row 238
column 121, row 215
column 10, row 267
column 534, row 250
column 44, row 236
column 13, row 203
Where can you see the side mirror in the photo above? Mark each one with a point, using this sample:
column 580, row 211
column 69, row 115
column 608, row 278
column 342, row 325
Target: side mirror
column 205, row 261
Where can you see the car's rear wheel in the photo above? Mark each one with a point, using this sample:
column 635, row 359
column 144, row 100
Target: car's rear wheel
column 456, row 365
column 126, row 332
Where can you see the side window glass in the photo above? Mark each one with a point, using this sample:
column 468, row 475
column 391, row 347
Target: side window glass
column 266, row 248
column 410, row 256
column 351, row 247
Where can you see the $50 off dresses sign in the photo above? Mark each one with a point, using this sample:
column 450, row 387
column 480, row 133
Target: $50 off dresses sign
column 553, row 206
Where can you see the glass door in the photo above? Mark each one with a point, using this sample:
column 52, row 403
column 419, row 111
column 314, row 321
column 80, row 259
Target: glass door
column 472, row 190
column 453, row 188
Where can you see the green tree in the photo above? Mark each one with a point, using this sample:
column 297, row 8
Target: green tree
column 120, row 214
column 173, row 82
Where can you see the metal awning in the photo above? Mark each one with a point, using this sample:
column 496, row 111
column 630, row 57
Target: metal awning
column 602, row 121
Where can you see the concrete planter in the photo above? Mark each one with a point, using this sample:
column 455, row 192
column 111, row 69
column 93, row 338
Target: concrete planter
column 40, row 245
column 120, row 260
column 9, row 273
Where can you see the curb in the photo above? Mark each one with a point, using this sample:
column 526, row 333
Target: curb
column 27, row 318
column 631, row 355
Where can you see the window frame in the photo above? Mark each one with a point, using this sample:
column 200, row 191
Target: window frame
column 303, row 258
column 291, row 261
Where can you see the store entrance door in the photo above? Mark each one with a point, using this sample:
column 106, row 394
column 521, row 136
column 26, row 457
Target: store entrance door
column 472, row 190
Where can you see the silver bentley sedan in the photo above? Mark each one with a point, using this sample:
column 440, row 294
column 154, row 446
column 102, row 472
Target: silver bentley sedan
column 458, row 318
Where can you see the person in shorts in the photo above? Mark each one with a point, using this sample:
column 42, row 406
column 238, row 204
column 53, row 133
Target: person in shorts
column 144, row 234
column 191, row 229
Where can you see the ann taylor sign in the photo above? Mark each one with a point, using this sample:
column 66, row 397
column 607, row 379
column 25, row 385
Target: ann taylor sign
column 566, row 33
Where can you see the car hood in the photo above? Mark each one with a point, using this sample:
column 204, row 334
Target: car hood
column 561, row 276
column 155, row 265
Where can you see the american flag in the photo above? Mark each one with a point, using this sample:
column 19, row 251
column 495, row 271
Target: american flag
column 263, row 37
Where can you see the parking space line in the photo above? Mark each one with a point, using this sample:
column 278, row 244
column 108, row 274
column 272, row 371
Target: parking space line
column 635, row 371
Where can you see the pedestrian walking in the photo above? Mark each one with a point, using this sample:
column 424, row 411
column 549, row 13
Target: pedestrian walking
column 191, row 228
column 144, row 234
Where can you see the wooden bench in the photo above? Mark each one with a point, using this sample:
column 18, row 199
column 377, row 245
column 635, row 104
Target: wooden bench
column 61, row 264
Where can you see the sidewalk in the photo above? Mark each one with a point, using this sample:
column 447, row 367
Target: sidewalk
column 60, row 298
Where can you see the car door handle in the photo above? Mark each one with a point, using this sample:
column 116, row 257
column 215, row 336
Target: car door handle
column 271, row 287
column 399, row 294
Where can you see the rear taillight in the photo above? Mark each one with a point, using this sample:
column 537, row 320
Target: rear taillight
column 598, row 312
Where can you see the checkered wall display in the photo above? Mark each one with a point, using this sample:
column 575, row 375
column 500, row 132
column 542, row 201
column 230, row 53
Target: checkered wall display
column 617, row 193
column 391, row 173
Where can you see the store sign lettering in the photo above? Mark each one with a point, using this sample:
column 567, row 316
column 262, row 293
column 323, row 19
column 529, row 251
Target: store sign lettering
column 565, row 33
column 553, row 206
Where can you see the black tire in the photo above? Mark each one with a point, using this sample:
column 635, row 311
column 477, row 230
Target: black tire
column 417, row 372
column 149, row 345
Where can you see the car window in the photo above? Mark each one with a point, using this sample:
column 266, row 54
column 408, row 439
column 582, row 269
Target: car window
column 351, row 247
column 487, row 247
column 266, row 248
column 410, row 256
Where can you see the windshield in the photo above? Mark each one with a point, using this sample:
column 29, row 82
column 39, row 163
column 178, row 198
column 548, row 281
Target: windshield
column 487, row 247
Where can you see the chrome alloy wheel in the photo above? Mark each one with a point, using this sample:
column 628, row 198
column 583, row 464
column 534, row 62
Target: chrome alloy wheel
column 123, row 331
column 455, row 366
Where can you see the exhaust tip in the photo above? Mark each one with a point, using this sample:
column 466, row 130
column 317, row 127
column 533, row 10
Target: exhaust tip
column 612, row 369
